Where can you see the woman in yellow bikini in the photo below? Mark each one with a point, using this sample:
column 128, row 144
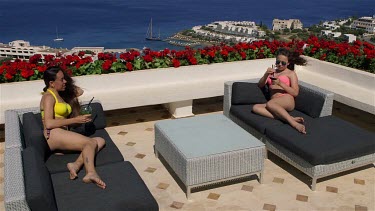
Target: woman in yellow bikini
column 60, row 109
column 283, row 87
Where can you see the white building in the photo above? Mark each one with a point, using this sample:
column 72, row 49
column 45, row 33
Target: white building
column 96, row 50
column 20, row 49
column 331, row 25
column 351, row 37
column 330, row 33
column 366, row 23
column 278, row 25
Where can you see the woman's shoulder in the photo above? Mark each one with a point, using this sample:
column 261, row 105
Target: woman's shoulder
column 47, row 97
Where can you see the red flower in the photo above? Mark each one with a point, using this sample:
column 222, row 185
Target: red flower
column 224, row 53
column 211, row 54
column 129, row 66
column 193, row 60
column 41, row 69
column 107, row 65
column 147, row 58
column 176, row 63
column 8, row 76
column 34, row 59
column 243, row 55
column 81, row 54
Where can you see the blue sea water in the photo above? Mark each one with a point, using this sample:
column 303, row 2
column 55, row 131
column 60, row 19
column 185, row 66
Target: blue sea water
column 123, row 23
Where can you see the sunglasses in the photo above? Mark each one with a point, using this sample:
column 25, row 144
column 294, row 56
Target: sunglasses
column 282, row 62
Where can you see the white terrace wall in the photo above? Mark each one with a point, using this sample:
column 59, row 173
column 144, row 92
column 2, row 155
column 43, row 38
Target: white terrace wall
column 179, row 86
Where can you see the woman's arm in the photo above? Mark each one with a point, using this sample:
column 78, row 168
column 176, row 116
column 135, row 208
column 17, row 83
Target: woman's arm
column 50, row 122
column 293, row 89
column 262, row 81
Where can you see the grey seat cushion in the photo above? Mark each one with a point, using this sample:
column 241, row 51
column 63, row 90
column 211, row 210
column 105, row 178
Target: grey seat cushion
column 38, row 183
column 125, row 190
column 260, row 123
column 109, row 154
column 328, row 140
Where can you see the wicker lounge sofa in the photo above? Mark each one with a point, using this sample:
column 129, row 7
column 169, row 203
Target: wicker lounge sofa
column 330, row 146
column 36, row 179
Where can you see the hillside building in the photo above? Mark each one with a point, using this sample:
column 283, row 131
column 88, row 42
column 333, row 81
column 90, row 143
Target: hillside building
column 278, row 25
column 365, row 23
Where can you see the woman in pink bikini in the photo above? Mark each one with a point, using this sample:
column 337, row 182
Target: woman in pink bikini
column 283, row 87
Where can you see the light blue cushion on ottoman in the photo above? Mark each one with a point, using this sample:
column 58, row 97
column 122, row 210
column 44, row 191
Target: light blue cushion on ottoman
column 208, row 148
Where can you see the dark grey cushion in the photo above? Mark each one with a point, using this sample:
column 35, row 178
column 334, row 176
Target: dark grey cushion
column 328, row 140
column 33, row 133
column 125, row 190
column 244, row 113
column 309, row 103
column 247, row 93
column 38, row 184
column 109, row 154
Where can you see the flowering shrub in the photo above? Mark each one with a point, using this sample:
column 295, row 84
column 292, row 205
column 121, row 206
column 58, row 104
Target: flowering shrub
column 357, row 55
column 360, row 55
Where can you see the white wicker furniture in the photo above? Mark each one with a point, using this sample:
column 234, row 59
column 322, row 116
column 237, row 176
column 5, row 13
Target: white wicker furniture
column 208, row 149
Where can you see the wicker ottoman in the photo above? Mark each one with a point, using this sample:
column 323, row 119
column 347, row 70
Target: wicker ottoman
column 208, row 149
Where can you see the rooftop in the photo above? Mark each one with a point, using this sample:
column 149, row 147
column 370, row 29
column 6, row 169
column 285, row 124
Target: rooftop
column 284, row 187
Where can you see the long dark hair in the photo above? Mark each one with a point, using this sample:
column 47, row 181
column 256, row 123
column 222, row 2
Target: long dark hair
column 69, row 95
column 293, row 57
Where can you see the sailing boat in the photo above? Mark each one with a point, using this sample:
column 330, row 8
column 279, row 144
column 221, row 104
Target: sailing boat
column 58, row 39
column 149, row 33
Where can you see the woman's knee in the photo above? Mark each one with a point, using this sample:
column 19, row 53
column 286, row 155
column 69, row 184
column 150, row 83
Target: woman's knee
column 100, row 142
column 91, row 143
column 271, row 106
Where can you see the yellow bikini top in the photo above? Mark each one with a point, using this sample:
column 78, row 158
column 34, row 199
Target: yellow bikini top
column 61, row 109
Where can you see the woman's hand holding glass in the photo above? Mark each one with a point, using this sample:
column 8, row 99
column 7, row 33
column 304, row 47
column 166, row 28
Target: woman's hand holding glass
column 85, row 116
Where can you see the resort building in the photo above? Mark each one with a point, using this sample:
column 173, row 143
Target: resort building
column 331, row 25
column 95, row 50
column 366, row 23
column 232, row 31
column 278, row 24
column 21, row 49
column 330, row 33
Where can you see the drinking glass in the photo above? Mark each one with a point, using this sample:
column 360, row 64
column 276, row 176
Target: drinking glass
column 86, row 109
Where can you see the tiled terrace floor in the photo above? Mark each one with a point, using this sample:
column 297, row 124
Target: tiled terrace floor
column 284, row 187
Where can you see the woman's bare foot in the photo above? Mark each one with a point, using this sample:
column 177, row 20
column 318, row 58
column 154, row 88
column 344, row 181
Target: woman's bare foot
column 299, row 119
column 73, row 170
column 94, row 178
column 300, row 127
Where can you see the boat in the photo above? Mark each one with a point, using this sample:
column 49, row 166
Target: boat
column 58, row 39
column 149, row 35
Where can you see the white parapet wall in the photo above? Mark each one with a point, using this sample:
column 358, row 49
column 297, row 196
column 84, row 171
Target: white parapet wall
column 352, row 87
column 178, row 87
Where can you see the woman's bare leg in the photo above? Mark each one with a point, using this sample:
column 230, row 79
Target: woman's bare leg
column 262, row 110
column 67, row 140
column 280, row 106
column 75, row 166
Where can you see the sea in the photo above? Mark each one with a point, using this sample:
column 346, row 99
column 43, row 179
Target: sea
column 123, row 23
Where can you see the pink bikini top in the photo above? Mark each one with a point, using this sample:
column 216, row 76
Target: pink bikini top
column 283, row 79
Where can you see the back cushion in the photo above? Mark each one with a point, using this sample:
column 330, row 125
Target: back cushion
column 38, row 184
column 33, row 133
column 309, row 103
column 247, row 93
